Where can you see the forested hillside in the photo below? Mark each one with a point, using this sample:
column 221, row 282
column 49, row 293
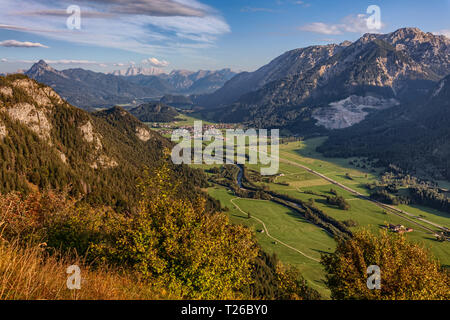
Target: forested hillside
column 154, row 112
column 47, row 143
column 414, row 136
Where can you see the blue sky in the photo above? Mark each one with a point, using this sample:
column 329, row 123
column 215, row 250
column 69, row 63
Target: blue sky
column 193, row 34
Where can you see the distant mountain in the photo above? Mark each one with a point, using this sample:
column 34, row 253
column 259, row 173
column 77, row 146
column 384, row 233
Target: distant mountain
column 154, row 112
column 414, row 136
column 203, row 81
column 383, row 69
column 47, row 143
column 138, row 71
column 291, row 63
column 177, row 101
column 87, row 89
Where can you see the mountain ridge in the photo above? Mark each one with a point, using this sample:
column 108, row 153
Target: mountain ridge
column 418, row 136
column 89, row 90
column 46, row 143
column 370, row 66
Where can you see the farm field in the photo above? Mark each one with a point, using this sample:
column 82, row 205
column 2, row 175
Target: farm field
column 299, row 183
column 285, row 225
column 367, row 215
column 183, row 120
column 339, row 170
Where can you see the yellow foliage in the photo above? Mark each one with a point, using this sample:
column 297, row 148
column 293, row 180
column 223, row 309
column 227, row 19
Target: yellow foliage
column 408, row 271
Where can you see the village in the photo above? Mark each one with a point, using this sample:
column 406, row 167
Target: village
column 167, row 128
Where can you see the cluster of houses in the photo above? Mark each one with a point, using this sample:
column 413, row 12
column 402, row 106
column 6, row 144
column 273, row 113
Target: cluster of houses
column 161, row 125
column 167, row 128
column 399, row 228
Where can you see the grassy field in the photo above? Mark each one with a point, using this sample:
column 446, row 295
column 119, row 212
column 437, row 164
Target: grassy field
column 291, row 229
column 337, row 169
column 183, row 120
column 288, row 227
column 365, row 213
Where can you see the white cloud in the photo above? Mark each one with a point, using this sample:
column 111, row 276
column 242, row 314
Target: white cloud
column 320, row 27
column 155, row 62
column 154, row 27
column 253, row 9
column 67, row 61
column 444, row 32
column 58, row 62
column 354, row 24
column 21, row 44
column 158, row 8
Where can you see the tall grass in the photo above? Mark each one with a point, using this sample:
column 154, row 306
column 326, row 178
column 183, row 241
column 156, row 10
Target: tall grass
column 29, row 273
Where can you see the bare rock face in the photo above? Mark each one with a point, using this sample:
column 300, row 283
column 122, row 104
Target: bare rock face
column 35, row 118
column 143, row 134
column 345, row 113
column 62, row 156
column 36, row 112
column 6, row 91
column 3, row 131
column 103, row 161
column 100, row 159
column 42, row 96
column 90, row 135
column 429, row 50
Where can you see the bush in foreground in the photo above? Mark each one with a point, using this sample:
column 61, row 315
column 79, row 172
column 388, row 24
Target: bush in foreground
column 170, row 247
column 408, row 271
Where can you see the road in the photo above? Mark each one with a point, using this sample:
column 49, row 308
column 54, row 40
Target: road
column 394, row 210
column 269, row 235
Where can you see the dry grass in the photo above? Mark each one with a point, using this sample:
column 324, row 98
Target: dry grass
column 28, row 273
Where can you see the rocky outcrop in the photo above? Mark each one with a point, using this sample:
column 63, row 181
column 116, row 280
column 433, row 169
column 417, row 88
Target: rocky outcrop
column 100, row 159
column 352, row 110
column 103, row 161
column 143, row 134
column 6, row 91
column 37, row 107
column 90, row 136
column 34, row 118
column 3, row 131
column 43, row 96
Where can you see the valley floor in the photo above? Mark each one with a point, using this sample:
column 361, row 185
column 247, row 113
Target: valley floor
column 305, row 174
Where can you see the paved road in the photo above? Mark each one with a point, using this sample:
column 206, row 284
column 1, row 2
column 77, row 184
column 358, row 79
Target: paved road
column 394, row 210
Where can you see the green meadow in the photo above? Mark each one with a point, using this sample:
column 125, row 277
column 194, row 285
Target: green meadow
column 290, row 228
column 286, row 226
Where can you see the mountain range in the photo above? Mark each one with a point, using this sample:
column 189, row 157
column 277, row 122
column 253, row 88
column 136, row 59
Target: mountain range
column 88, row 90
column 314, row 89
column 137, row 71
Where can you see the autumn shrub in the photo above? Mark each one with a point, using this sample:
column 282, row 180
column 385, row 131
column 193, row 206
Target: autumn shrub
column 168, row 244
column 408, row 270
column 176, row 243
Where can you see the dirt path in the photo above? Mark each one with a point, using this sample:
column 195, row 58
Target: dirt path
column 270, row 236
